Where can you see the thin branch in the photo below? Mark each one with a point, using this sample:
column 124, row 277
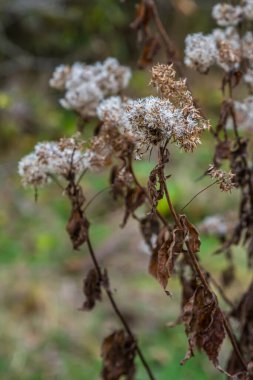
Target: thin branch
column 95, row 196
column 219, row 289
column 117, row 311
column 56, row 181
column 195, row 196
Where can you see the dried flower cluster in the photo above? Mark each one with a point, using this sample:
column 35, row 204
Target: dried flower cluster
column 63, row 159
column 227, row 14
column 153, row 120
column 247, row 7
column 86, row 85
column 223, row 47
column 111, row 112
column 200, row 51
column 244, row 113
column 232, row 15
column 225, row 180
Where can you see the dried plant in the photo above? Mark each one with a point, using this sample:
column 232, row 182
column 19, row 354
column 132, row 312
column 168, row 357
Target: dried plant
column 131, row 128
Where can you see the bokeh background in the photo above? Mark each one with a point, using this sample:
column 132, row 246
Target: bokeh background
column 43, row 335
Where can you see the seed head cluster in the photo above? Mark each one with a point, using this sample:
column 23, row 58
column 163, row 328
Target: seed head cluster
column 225, row 48
column 86, row 86
column 200, row 51
column 111, row 111
column 61, row 159
column 222, row 48
column 227, row 14
column 244, row 113
column 154, row 120
column 224, row 179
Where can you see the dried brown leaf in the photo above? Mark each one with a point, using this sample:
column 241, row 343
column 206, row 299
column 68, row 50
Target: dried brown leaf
column 156, row 185
column 144, row 13
column 118, row 353
column 167, row 255
column 149, row 51
column 204, row 325
column 91, row 290
column 192, row 235
column 77, row 228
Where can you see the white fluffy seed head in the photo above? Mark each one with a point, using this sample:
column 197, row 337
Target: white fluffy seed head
column 248, row 78
column 52, row 159
column 153, row 120
column 222, row 47
column 111, row 112
column 244, row 113
column 247, row 9
column 227, row 15
column 200, row 51
column 247, row 46
column 86, row 85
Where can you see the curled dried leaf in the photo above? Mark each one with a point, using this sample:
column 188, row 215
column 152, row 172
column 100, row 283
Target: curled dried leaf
column 143, row 16
column 191, row 233
column 118, row 353
column 77, row 228
column 91, row 290
column 168, row 254
column 149, row 51
column 204, row 325
column 156, row 185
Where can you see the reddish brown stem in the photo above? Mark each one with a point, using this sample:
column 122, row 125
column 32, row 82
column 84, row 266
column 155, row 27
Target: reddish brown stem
column 203, row 280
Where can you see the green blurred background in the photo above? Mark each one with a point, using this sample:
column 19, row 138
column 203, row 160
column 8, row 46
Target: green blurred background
column 43, row 335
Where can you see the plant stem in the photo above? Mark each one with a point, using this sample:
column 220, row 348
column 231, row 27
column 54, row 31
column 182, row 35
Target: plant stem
column 117, row 311
column 203, row 280
column 161, row 30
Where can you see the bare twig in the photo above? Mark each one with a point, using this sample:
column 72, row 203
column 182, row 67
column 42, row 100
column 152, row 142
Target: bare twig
column 117, row 310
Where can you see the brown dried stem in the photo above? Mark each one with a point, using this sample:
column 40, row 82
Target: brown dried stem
column 116, row 309
column 197, row 268
column 160, row 28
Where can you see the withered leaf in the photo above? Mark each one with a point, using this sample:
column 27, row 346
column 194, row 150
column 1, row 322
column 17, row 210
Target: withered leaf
column 91, row 290
column 192, row 235
column 77, row 228
column 143, row 16
column 204, row 325
column 149, row 51
column 156, row 185
column 168, row 254
column 118, row 353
